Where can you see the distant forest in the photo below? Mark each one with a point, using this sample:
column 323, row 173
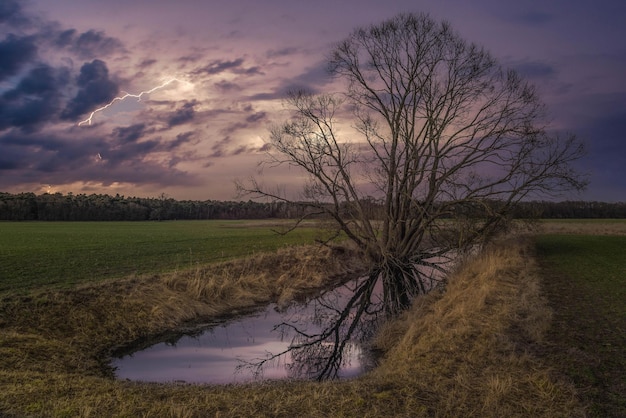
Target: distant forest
column 99, row 207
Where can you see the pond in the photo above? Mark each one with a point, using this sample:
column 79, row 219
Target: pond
column 320, row 339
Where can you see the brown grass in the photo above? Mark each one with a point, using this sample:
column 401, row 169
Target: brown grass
column 460, row 353
column 106, row 315
column 584, row 227
column 466, row 349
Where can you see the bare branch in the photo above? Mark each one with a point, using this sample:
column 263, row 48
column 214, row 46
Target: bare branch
column 445, row 141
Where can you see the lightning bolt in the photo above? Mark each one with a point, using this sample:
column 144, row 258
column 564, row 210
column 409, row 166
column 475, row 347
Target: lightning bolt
column 125, row 96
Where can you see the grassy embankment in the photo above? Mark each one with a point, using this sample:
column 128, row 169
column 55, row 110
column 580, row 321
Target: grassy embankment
column 467, row 352
column 584, row 277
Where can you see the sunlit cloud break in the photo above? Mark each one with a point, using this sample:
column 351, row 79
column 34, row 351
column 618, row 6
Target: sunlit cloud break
column 123, row 97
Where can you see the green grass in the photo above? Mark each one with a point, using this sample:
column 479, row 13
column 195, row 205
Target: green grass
column 585, row 281
column 454, row 354
column 35, row 254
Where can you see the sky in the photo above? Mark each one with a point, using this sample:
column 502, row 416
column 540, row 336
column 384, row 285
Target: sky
column 214, row 75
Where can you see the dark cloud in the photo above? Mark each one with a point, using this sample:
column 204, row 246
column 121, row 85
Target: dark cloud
column 311, row 80
column 10, row 11
column 7, row 162
column 234, row 66
column 190, row 58
column 256, row 117
column 35, row 100
column 218, row 66
column 72, row 156
column 184, row 114
column 16, row 52
column 42, row 80
column 181, row 139
column 36, row 154
column 41, row 93
column 92, row 43
column 228, row 146
column 92, row 72
column 130, row 152
column 225, row 86
column 88, row 44
column 12, row 156
column 232, row 127
column 41, row 90
column 249, row 71
column 133, row 142
column 95, row 88
column 284, row 52
column 240, row 150
column 219, row 148
column 65, row 38
column 147, row 63
column 129, row 133
column 278, row 94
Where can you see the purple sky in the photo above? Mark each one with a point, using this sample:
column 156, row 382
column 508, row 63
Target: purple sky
column 229, row 63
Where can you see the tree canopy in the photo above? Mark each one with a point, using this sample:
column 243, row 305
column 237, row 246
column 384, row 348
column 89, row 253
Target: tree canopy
column 437, row 125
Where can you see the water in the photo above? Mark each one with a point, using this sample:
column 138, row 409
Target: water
column 307, row 341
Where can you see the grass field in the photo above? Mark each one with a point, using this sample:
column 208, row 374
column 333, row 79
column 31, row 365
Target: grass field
column 584, row 277
column 495, row 344
column 583, row 226
column 34, row 254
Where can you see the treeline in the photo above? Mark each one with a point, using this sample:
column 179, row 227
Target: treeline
column 98, row 207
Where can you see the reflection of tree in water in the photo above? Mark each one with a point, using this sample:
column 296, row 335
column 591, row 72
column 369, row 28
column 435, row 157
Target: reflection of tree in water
column 328, row 331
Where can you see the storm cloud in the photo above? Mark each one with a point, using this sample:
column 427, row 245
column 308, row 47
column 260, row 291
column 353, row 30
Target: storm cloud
column 52, row 75
column 16, row 52
column 40, row 90
column 88, row 44
column 11, row 13
column 183, row 114
column 233, row 65
column 94, row 88
column 35, row 100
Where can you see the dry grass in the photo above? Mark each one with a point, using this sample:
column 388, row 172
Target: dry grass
column 109, row 314
column 466, row 349
column 584, row 226
column 461, row 353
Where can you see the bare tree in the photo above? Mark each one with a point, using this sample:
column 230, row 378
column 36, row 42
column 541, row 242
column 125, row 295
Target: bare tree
column 444, row 139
